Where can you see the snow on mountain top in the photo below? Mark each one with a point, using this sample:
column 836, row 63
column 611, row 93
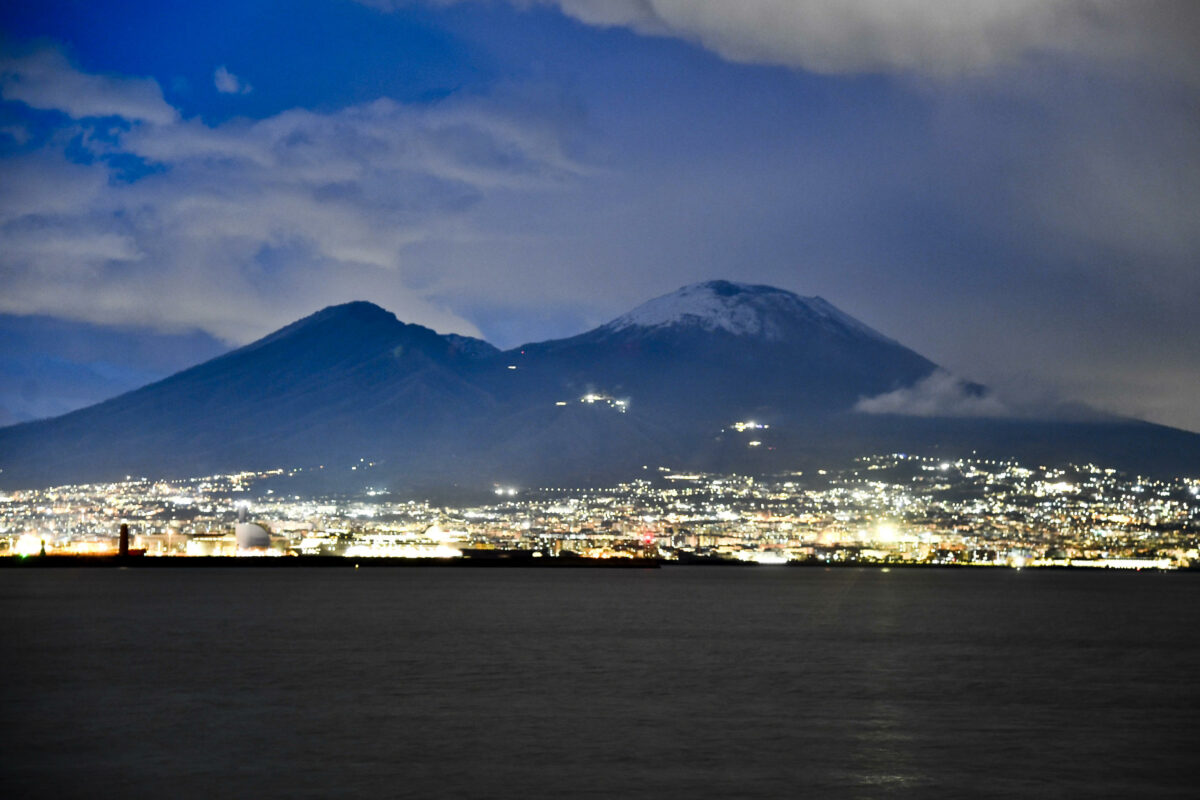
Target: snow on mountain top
column 742, row 309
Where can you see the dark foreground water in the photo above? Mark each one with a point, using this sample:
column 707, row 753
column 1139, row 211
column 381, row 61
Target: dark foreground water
column 686, row 682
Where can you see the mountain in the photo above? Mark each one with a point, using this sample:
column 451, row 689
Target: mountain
column 716, row 352
column 717, row 376
column 323, row 388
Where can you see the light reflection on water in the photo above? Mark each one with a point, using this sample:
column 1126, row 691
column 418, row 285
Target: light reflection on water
column 684, row 682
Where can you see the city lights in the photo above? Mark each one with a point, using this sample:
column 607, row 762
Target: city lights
column 884, row 509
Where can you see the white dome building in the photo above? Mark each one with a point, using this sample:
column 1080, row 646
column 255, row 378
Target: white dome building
column 249, row 535
column 252, row 537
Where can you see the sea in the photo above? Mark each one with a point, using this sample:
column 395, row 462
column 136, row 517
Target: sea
column 681, row 682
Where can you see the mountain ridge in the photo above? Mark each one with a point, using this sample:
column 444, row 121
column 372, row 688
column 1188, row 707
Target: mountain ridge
column 662, row 384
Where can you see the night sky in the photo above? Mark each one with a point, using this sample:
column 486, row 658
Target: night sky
column 1009, row 187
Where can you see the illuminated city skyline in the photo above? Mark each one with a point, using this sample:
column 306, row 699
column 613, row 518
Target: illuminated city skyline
column 895, row 509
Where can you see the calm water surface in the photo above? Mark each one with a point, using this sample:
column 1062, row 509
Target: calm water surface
column 686, row 682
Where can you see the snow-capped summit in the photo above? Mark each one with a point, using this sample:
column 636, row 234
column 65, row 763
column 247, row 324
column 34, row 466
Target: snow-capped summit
column 742, row 309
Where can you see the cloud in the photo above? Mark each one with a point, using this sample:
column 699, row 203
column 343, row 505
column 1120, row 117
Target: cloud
column 1034, row 220
column 939, row 394
column 18, row 133
column 943, row 394
column 936, row 37
column 241, row 227
column 228, row 83
column 44, row 79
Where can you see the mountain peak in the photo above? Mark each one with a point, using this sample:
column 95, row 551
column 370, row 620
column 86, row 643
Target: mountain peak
column 741, row 309
column 723, row 288
column 355, row 309
column 348, row 319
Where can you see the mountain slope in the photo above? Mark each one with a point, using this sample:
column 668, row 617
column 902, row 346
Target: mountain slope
column 328, row 386
column 717, row 351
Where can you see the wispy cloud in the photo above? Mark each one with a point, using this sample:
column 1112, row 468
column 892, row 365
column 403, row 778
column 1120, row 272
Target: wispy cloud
column 228, row 83
column 939, row 394
column 944, row 394
column 240, row 227
column 937, row 37
column 44, row 79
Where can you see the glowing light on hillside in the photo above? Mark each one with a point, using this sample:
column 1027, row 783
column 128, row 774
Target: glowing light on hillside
column 592, row 398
